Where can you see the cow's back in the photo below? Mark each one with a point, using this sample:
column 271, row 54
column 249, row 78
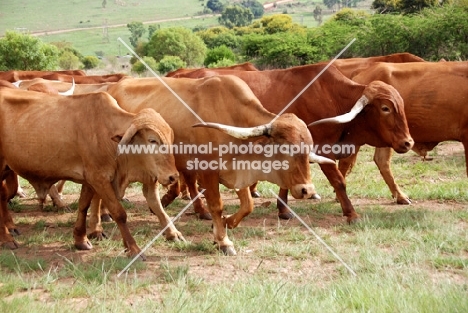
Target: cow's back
column 435, row 96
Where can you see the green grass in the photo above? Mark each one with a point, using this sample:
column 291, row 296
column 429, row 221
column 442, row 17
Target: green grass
column 88, row 20
column 407, row 258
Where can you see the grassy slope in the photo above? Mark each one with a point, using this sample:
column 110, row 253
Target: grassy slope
column 42, row 17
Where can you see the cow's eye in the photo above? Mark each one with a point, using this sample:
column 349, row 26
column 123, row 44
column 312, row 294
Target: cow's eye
column 153, row 141
column 385, row 109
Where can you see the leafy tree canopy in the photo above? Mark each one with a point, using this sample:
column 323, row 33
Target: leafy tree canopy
column 254, row 6
column 219, row 53
column 404, row 6
column 25, row 52
column 235, row 16
column 279, row 23
column 217, row 6
column 177, row 41
column 137, row 29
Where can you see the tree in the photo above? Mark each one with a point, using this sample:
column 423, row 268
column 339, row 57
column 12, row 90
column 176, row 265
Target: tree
column 235, row 16
column 402, row 6
column 137, row 29
column 170, row 63
column 140, row 68
column 90, row 62
column 215, row 5
column 25, row 52
column 177, row 41
column 219, row 53
column 69, row 61
column 152, row 29
column 254, row 6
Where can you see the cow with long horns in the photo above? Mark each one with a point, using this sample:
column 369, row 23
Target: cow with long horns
column 370, row 114
column 227, row 114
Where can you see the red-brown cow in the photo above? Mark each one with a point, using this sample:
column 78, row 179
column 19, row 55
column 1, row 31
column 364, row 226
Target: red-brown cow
column 435, row 96
column 43, row 138
column 382, row 122
column 227, row 100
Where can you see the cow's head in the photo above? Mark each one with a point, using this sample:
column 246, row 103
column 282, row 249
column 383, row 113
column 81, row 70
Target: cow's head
column 150, row 133
column 287, row 131
column 379, row 116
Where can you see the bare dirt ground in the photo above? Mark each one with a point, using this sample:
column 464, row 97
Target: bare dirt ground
column 207, row 265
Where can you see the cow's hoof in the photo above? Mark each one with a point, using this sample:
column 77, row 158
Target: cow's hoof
column 98, row 235
column 285, row 215
column 228, row 250
column 83, row 245
column 354, row 220
column 131, row 255
column 204, row 216
column 404, row 201
column 106, row 218
column 65, row 209
column 11, row 245
column 14, row 231
column 315, row 196
column 21, row 194
column 255, row 194
column 176, row 237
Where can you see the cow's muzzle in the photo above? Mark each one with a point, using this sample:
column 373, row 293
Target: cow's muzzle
column 303, row 191
column 404, row 146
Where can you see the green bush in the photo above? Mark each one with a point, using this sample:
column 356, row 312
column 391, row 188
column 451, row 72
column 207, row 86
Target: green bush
column 219, row 53
column 139, row 68
column 170, row 63
column 90, row 62
column 69, row 61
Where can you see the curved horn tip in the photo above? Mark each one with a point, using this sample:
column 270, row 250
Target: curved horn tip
column 314, row 158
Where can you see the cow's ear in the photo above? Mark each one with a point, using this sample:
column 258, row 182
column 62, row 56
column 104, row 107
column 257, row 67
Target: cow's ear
column 262, row 141
column 117, row 138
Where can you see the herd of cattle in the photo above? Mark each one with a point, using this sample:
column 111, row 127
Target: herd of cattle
column 65, row 125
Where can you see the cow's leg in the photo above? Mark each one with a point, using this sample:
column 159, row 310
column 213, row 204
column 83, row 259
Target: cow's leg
column 109, row 199
column 338, row 182
column 184, row 191
column 94, row 224
column 105, row 215
column 283, row 210
column 253, row 191
column 346, row 165
column 383, row 157
column 151, row 193
column 465, row 146
column 60, row 185
column 172, row 192
column 56, row 198
column 246, row 207
column 19, row 190
column 11, row 184
column 79, row 232
column 6, row 239
column 215, row 206
column 199, row 208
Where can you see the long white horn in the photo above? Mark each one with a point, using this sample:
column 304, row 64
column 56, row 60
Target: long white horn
column 70, row 91
column 314, row 158
column 17, row 83
column 347, row 117
column 239, row 132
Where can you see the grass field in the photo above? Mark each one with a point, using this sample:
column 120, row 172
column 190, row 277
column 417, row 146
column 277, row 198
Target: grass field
column 407, row 258
column 86, row 19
